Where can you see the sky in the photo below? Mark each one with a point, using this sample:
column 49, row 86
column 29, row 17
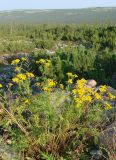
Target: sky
column 54, row 4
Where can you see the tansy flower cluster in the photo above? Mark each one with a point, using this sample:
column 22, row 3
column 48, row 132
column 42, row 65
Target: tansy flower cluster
column 110, row 96
column 21, row 77
column 18, row 69
column 107, row 106
column 23, row 59
column 71, row 77
column 44, row 62
column 30, row 75
column 16, row 61
column 83, row 94
column 102, row 89
column 49, row 85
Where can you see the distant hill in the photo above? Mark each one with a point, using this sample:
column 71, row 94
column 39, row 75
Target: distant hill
column 80, row 16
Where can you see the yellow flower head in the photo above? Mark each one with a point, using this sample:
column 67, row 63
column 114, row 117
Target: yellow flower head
column 78, row 102
column 30, row 75
column 18, row 69
column 111, row 96
column 23, row 59
column 75, row 76
column 48, row 61
column 102, row 89
column 70, row 81
column 107, row 106
column 16, row 61
column 81, row 82
column 47, row 64
column 10, row 84
column 97, row 96
column 26, row 101
column 16, row 80
column 88, row 98
column 41, row 61
column 74, row 91
column 0, row 85
column 70, row 75
column 21, row 76
column 51, row 83
column 46, row 89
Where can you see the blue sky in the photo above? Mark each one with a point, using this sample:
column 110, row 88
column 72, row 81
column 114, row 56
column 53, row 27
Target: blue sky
column 54, row 4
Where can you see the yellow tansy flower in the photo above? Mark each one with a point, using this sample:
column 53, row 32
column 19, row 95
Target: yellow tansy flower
column 16, row 80
column 16, row 61
column 30, row 75
column 26, row 101
column 51, row 83
column 107, row 106
column 70, row 81
column 111, row 96
column 47, row 64
column 46, row 89
column 10, row 84
column 18, row 69
column 97, row 96
column 23, row 59
column 41, row 61
column 74, row 91
column 21, row 76
column 102, row 89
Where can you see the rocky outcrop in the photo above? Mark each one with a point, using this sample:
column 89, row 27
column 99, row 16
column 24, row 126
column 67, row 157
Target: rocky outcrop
column 108, row 137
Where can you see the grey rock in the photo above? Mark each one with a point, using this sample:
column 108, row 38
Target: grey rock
column 108, row 136
column 96, row 154
column 7, row 154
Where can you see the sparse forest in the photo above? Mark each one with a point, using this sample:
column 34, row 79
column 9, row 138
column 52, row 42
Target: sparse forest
column 89, row 51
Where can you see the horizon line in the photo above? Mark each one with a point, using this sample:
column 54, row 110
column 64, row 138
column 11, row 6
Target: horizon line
column 56, row 8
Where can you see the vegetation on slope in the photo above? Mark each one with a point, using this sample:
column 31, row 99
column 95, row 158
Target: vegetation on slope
column 62, row 16
column 46, row 106
column 88, row 51
column 59, row 122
